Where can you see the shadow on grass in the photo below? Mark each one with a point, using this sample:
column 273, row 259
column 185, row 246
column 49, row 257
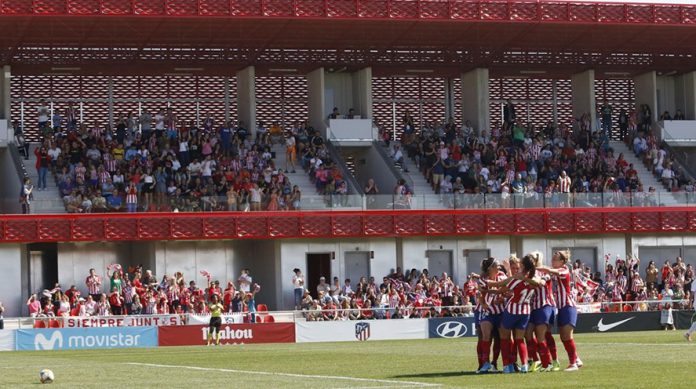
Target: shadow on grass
column 438, row 374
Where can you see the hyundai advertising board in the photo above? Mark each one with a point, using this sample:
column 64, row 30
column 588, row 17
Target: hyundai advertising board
column 451, row 327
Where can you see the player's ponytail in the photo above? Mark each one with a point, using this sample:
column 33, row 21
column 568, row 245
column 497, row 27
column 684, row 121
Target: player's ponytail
column 564, row 256
column 486, row 265
column 528, row 265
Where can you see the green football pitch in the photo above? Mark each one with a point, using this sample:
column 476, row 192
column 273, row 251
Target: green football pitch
column 621, row 360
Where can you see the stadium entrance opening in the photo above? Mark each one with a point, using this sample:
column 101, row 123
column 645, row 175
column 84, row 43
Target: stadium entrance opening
column 318, row 265
column 439, row 261
column 43, row 266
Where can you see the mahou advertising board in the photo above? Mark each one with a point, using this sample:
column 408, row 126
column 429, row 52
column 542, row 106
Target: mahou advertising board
column 229, row 334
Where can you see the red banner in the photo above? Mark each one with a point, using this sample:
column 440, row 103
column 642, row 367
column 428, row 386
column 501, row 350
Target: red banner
column 229, row 334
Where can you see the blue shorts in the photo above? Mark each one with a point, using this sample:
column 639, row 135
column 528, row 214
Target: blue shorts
column 493, row 319
column 567, row 315
column 517, row 322
column 544, row 315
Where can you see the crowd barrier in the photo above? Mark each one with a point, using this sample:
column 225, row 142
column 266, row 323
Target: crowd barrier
column 300, row 331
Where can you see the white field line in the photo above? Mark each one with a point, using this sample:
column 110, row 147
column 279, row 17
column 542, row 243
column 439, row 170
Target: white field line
column 685, row 344
column 267, row 373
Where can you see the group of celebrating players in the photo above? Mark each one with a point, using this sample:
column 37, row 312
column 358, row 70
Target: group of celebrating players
column 517, row 303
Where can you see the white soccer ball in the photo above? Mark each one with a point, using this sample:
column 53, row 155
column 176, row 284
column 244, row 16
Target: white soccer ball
column 46, row 376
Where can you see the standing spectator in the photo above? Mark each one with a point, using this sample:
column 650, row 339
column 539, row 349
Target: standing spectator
column 132, row 198
column 244, row 281
column 623, row 124
column 2, row 322
column 22, row 144
column 43, row 113
column 298, row 283
column 606, row 111
column 651, row 275
column 509, row 115
column 25, row 196
column 43, row 162
column 94, row 283
column 34, row 306
column 116, row 301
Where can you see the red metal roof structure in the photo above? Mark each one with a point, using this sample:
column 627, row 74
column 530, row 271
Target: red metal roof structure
column 337, row 224
column 446, row 36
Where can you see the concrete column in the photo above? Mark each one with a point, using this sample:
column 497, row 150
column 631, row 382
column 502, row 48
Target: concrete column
column 646, row 91
column 476, row 99
column 362, row 92
column 5, row 98
column 686, row 95
column 14, row 285
column 584, row 95
column 317, row 108
column 246, row 98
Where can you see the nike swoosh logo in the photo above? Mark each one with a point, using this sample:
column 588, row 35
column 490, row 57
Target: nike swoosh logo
column 606, row 327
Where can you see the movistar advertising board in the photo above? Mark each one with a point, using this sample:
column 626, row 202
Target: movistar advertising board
column 86, row 338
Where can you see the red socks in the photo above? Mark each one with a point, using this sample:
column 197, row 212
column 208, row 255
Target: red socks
column 571, row 350
column 506, row 346
column 496, row 350
column 544, row 354
column 532, row 348
column 522, row 350
column 551, row 343
column 485, row 351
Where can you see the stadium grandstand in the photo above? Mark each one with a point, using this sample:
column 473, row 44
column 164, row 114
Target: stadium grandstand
column 297, row 157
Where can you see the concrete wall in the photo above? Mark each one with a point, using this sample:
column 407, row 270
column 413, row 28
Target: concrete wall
column 14, row 280
column 75, row 260
column 370, row 164
column 246, row 97
column 414, row 252
column 646, row 91
column 338, row 89
column 685, row 94
column 584, row 94
column 5, row 101
column 475, row 99
column 260, row 258
column 316, row 104
column 666, row 95
column 12, row 183
column 362, row 92
column 293, row 254
column 612, row 244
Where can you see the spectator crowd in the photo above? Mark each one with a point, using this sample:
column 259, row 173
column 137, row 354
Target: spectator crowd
column 528, row 165
column 160, row 163
column 137, row 292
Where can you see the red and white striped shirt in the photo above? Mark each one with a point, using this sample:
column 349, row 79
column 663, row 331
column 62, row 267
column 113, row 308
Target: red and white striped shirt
column 564, row 184
column 563, row 291
column 536, row 151
column 103, row 176
column 495, row 306
column 522, row 292
column 543, row 294
column 93, row 284
column 621, row 283
column 110, row 165
column 637, row 285
column 132, row 196
column 80, row 172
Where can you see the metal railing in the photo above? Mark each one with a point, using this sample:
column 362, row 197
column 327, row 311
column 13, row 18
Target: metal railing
column 360, row 202
column 374, row 313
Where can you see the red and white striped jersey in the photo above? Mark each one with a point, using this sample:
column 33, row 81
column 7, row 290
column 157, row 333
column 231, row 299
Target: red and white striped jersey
column 621, row 283
column 103, row 176
column 132, row 196
column 522, row 293
column 536, row 151
column 93, row 284
column 495, row 304
column 543, row 294
column 564, row 184
column 562, row 289
column 110, row 165
column 637, row 285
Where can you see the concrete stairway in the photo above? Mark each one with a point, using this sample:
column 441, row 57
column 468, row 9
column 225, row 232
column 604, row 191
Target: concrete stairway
column 48, row 200
column 647, row 178
column 424, row 195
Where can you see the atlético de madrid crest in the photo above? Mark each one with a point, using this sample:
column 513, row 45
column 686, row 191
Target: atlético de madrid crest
column 362, row 330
